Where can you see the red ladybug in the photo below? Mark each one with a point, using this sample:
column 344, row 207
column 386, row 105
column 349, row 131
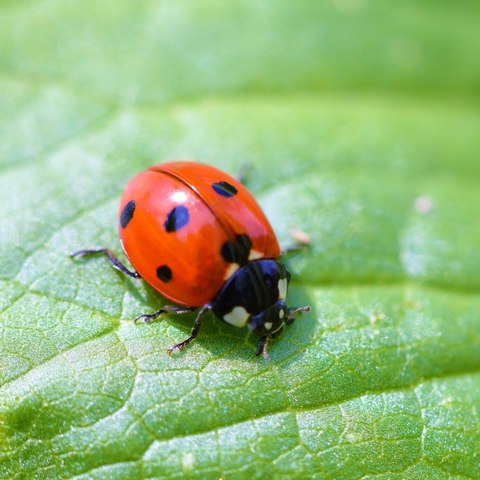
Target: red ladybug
column 198, row 237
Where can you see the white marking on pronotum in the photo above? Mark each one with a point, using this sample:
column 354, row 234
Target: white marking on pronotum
column 282, row 289
column 254, row 254
column 232, row 268
column 281, row 314
column 238, row 317
column 268, row 325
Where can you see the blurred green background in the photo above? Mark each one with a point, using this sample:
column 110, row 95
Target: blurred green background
column 360, row 122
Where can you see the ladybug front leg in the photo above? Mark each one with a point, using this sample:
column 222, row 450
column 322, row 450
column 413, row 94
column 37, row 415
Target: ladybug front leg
column 195, row 329
column 263, row 342
column 262, row 347
column 116, row 263
column 293, row 311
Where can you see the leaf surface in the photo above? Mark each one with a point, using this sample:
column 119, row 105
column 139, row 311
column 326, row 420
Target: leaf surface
column 358, row 122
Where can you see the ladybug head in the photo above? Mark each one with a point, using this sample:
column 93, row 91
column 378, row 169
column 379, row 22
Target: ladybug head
column 271, row 320
column 254, row 296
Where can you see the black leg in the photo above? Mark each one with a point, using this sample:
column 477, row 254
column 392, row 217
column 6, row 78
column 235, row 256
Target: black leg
column 116, row 263
column 165, row 309
column 293, row 311
column 262, row 347
column 195, row 329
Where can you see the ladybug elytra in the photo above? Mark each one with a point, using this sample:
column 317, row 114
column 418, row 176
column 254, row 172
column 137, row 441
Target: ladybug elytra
column 199, row 238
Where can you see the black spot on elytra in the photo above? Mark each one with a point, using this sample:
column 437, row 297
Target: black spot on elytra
column 224, row 189
column 237, row 250
column 164, row 273
column 127, row 213
column 177, row 218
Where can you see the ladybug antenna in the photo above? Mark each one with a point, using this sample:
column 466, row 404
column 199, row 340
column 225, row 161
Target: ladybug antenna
column 293, row 311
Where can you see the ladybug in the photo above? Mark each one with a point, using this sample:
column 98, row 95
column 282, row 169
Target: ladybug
column 198, row 237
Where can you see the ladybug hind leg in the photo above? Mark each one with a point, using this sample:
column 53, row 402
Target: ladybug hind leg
column 116, row 263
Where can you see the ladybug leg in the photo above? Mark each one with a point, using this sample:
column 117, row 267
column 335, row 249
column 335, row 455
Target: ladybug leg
column 165, row 309
column 116, row 263
column 262, row 347
column 293, row 311
column 195, row 329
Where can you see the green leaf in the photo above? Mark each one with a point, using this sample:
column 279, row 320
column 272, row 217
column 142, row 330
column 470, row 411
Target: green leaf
column 359, row 121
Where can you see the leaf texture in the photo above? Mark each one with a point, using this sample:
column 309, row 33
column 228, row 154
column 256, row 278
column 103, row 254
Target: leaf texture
column 359, row 122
